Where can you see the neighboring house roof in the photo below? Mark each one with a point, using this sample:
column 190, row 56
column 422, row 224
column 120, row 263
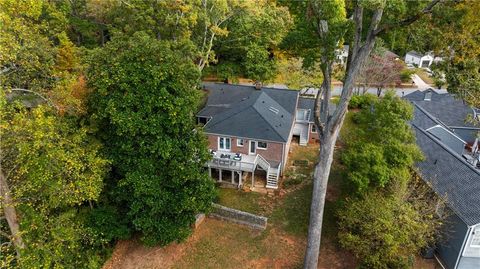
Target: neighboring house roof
column 450, row 176
column 444, row 167
column 243, row 111
column 445, row 108
column 415, row 54
column 391, row 55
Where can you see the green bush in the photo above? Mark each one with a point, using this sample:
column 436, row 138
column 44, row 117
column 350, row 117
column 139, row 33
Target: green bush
column 362, row 101
column 406, row 75
column 107, row 225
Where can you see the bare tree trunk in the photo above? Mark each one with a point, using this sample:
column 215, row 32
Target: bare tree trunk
column 321, row 174
column 10, row 213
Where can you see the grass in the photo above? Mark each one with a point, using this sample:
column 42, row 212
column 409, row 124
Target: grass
column 241, row 200
column 424, row 76
column 223, row 245
column 292, row 214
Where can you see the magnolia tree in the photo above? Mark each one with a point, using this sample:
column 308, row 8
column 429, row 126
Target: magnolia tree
column 321, row 27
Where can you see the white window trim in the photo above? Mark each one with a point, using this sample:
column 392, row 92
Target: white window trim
column 265, row 148
column 224, row 141
column 311, row 129
column 243, row 140
column 250, row 147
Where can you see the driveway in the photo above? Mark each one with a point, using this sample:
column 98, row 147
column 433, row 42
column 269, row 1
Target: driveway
column 420, row 83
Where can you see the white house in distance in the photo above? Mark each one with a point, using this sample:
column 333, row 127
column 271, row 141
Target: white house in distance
column 342, row 54
column 413, row 57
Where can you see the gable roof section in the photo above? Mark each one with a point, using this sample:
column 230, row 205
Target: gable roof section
column 444, row 168
column 443, row 107
column 265, row 114
column 414, row 53
column 450, row 177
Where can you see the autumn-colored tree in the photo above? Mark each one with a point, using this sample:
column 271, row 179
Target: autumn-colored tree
column 49, row 169
column 380, row 71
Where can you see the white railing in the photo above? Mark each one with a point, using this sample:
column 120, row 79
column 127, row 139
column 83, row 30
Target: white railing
column 262, row 162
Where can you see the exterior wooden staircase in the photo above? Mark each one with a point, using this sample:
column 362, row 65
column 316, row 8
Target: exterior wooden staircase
column 272, row 173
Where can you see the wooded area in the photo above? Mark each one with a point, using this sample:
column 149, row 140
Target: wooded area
column 98, row 140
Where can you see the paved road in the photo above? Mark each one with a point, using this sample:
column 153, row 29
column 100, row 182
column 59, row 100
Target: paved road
column 399, row 91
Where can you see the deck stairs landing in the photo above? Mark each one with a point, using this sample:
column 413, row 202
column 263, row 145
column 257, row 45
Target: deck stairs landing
column 272, row 173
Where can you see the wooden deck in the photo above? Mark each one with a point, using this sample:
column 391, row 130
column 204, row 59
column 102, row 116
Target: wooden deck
column 246, row 164
column 240, row 163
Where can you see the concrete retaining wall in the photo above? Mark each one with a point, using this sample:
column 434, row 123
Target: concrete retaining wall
column 239, row 217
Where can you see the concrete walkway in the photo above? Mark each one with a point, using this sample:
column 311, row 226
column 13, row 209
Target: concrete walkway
column 420, row 83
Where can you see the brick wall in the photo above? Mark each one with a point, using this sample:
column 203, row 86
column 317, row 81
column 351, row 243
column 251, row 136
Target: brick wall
column 273, row 152
column 313, row 137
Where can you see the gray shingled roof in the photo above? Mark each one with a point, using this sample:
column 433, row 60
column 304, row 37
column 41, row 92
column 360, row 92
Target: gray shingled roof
column 444, row 107
column 451, row 177
column 448, row 173
column 414, row 53
column 243, row 111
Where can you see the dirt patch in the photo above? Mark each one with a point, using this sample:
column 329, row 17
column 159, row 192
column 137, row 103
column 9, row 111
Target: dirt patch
column 333, row 258
column 131, row 254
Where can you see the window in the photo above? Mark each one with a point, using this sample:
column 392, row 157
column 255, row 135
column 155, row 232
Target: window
column 314, row 128
column 224, row 143
column 475, row 243
column 261, row 145
column 303, row 114
column 240, row 142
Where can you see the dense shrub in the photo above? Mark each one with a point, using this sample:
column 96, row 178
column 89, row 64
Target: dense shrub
column 362, row 101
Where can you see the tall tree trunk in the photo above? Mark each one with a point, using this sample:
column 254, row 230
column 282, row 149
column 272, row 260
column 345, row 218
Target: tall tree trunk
column 321, row 174
column 6, row 201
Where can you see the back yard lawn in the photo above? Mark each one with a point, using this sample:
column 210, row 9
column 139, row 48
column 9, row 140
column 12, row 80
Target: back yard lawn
column 218, row 244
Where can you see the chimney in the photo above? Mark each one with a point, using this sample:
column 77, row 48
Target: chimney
column 258, row 85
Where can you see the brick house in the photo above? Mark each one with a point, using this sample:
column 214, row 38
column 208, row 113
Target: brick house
column 250, row 130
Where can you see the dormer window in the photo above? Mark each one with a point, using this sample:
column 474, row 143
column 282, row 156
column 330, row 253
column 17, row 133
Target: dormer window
column 428, row 96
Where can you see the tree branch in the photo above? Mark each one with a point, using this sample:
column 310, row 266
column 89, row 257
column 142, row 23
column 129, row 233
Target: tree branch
column 428, row 9
column 358, row 19
column 353, row 69
column 37, row 94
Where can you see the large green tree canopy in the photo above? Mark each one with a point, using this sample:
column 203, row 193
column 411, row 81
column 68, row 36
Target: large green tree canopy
column 145, row 91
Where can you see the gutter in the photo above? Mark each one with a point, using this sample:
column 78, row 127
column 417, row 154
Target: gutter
column 463, row 246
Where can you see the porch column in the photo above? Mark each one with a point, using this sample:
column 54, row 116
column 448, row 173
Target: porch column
column 253, row 178
column 220, row 175
column 209, row 171
column 233, row 177
column 240, row 178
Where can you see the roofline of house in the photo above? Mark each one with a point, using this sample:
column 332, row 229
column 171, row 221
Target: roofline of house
column 465, row 128
column 430, row 116
column 454, row 154
column 250, row 138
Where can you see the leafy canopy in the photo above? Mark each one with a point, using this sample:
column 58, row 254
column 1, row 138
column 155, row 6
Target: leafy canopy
column 384, row 148
column 143, row 101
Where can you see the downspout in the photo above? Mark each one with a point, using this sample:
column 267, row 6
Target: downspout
column 283, row 158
